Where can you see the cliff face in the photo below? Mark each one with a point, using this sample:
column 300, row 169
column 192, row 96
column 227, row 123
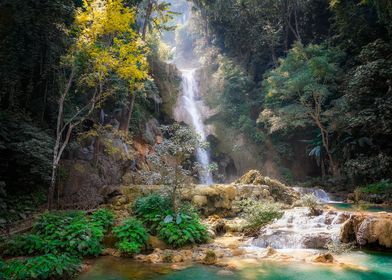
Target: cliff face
column 168, row 80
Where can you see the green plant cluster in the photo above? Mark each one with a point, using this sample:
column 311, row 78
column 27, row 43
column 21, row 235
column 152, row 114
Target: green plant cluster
column 151, row 210
column 49, row 266
column 131, row 236
column 381, row 187
column 259, row 213
column 174, row 228
column 56, row 243
column 182, row 229
column 103, row 218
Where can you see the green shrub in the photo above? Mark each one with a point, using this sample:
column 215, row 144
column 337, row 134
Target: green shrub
column 48, row 266
column 182, row 229
column 151, row 210
column 63, row 232
column 131, row 236
column 260, row 213
column 72, row 232
column 381, row 187
column 103, row 217
column 26, row 244
column 310, row 201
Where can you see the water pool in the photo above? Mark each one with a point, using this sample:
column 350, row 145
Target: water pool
column 351, row 207
column 374, row 266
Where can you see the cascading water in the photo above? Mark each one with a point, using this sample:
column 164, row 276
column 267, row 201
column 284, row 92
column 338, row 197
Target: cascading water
column 189, row 107
column 320, row 194
column 297, row 229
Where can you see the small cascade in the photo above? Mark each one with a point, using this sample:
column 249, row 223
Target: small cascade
column 298, row 230
column 320, row 194
column 189, row 107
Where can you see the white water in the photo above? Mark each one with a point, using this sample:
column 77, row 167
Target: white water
column 189, row 107
column 320, row 194
column 297, row 229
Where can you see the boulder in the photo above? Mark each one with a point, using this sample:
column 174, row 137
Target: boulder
column 316, row 241
column 210, row 258
column 324, row 258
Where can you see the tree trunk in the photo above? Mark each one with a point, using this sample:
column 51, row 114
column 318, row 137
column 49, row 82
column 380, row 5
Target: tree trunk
column 325, row 140
column 58, row 147
column 52, row 187
column 147, row 19
column 273, row 54
column 126, row 116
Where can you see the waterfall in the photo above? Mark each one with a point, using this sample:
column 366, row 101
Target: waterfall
column 191, row 114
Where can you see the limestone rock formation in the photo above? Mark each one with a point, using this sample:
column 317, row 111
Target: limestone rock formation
column 279, row 191
column 368, row 229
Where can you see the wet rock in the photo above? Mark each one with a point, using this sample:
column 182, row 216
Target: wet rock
column 182, row 256
column 316, row 241
column 210, row 258
column 270, row 251
column 324, row 258
column 216, row 225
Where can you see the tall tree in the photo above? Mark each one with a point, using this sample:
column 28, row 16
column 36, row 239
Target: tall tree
column 300, row 90
column 105, row 45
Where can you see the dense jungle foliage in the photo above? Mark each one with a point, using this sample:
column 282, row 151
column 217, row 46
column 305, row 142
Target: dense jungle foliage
column 315, row 72
column 87, row 90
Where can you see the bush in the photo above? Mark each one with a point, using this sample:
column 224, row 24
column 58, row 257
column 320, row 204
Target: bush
column 182, row 229
column 27, row 244
column 151, row 210
column 63, row 232
column 310, row 201
column 260, row 213
column 131, row 236
column 103, row 217
column 70, row 232
column 381, row 187
column 155, row 211
column 48, row 266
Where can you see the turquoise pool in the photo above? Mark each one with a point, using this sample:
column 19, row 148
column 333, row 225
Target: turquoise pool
column 375, row 266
